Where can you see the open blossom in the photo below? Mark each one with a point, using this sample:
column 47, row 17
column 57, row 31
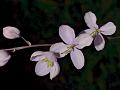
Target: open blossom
column 107, row 29
column 72, row 45
column 4, row 57
column 11, row 32
column 47, row 63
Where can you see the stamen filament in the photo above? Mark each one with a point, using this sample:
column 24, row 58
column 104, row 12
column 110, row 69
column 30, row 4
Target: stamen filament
column 49, row 62
column 69, row 49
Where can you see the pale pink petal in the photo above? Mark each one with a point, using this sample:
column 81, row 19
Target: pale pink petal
column 90, row 20
column 58, row 49
column 4, row 57
column 50, row 55
column 99, row 42
column 66, row 33
column 108, row 29
column 77, row 58
column 89, row 31
column 11, row 32
column 42, row 68
column 83, row 40
column 37, row 55
column 54, row 70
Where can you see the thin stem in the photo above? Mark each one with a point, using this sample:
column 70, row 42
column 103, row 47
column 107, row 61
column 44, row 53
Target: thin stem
column 111, row 38
column 27, row 42
column 25, row 47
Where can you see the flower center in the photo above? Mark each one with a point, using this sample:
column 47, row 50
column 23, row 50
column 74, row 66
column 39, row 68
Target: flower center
column 69, row 49
column 49, row 62
column 94, row 33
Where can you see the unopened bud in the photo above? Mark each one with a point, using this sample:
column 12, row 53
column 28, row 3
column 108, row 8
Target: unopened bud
column 11, row 32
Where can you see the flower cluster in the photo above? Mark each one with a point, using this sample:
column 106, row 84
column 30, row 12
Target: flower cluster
column 47, row 61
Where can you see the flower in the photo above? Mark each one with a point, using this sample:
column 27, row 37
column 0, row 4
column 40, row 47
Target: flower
column 72, row 45
column 107, row 29
column 47, row 63
column 4, row 57
column 11, row 32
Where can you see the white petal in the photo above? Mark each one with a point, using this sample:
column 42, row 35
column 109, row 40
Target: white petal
column 66, row 33
column 37, row 55
column 108, row 29
column 83, row 40
column 54, row 70
column 77, row 58
column 89, row 31
column 42, row 68
column 4, row 57
column 90, row 20
column 59, row 48
column 99, row 42
column 11, row 32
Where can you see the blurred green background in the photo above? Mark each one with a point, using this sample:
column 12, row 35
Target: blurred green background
column 38, row 21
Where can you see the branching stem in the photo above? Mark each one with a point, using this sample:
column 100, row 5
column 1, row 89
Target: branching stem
column 25, row 47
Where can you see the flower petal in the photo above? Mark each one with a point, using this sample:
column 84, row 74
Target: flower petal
column 42, row 68
column 37, row 55
column 108, row 29
column 54, row 70
column 99, row 42
column 11, row 32
column 90, row 20
column 66, row 33
column 50, row 55
column 4, row 57
column 89, row 31
column 58, row 49
column 83, row 40
column 77, row 58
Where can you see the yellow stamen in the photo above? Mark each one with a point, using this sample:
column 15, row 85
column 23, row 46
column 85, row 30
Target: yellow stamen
column 94, row 33
column 69, row 49
column 50, row 63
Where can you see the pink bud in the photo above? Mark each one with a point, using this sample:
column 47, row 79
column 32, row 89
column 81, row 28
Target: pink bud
column 11, row 32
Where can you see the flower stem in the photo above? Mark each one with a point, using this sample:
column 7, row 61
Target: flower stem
column 111, row 38
column 27, row 42
column 25, row 47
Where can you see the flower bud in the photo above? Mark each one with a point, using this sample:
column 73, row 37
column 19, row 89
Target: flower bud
column 11, row 32
column 4, row 57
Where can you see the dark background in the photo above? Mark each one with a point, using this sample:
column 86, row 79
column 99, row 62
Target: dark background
column 38, row 21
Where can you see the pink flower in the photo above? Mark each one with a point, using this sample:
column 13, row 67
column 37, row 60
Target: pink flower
column 107, row 29
column 72, row 45
column 4, row 57
column 47, row 63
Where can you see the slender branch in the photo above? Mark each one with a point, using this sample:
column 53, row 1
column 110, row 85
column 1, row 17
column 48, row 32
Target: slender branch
column 27, row 42
column 111, row 38
column 25, row 47
column 43, row 45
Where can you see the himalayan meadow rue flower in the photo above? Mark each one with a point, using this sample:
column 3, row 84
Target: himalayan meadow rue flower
column 107, row 29
column 72, row 45
column 4, row 57
column 47, row 63
column 11, row 32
